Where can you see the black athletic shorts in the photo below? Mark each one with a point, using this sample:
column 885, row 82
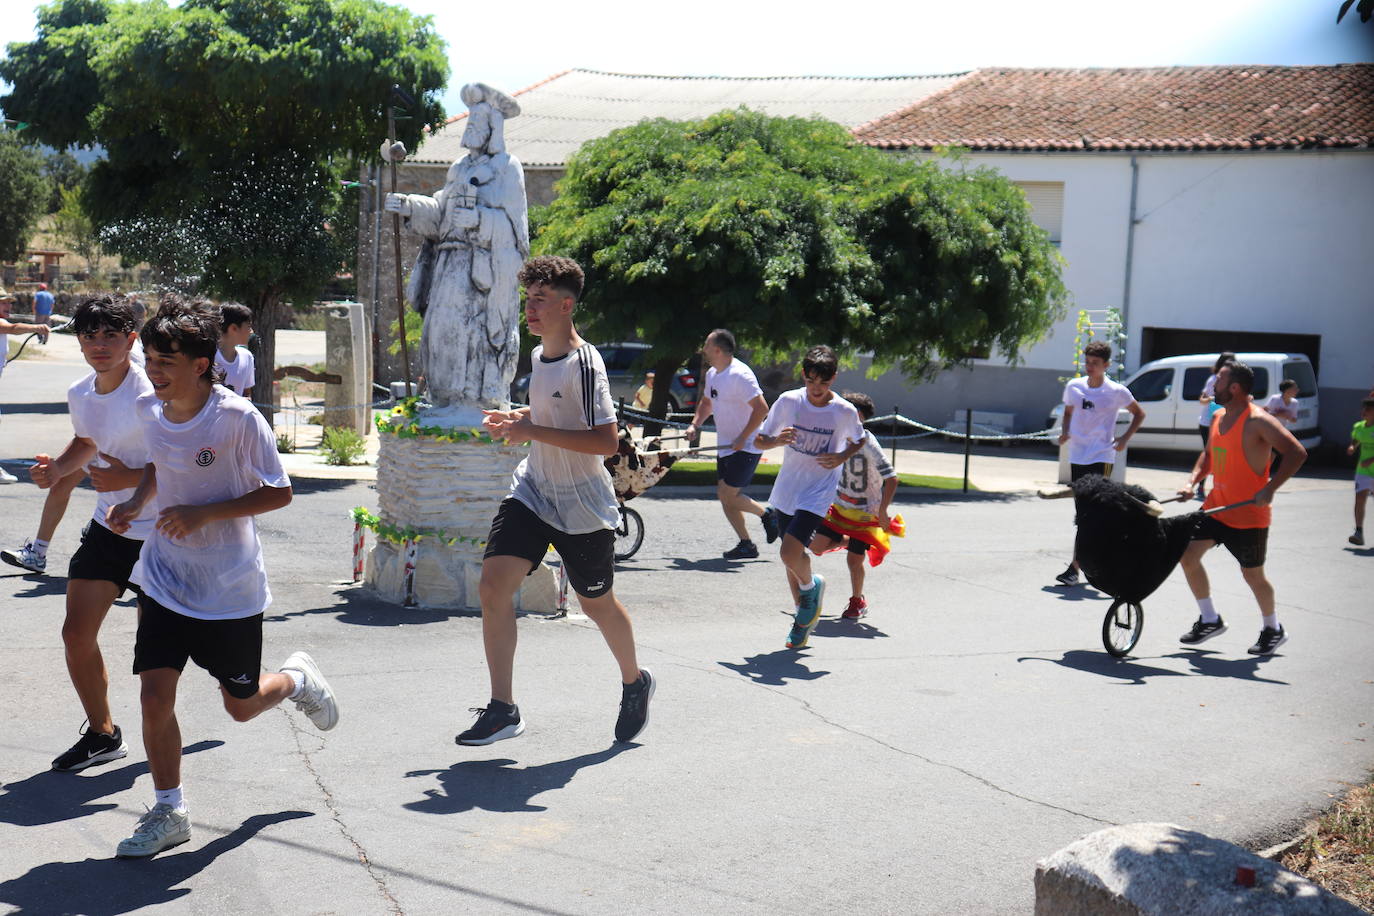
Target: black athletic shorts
column 1083, row 470
column 801, row 526
column 1247, row 545
column 105, row 556
column 231, row 650
column 855, row 545
column 589, row 559
column 738, row 469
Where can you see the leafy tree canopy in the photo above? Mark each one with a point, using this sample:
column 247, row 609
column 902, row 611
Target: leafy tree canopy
column 23, row 193
column 789, row 234
column 227, row 126
column 64, row 173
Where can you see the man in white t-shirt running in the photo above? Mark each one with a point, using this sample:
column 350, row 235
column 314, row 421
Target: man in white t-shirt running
column 233, row 357
column 732, row 394
column 821, row 432
column 1090, row 406
column 213, row 466
column 561, row 494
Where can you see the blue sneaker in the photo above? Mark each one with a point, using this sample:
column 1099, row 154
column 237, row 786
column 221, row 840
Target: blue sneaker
column 808, row 613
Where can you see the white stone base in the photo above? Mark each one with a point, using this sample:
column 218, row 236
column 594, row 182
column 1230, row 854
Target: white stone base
column 456, row 488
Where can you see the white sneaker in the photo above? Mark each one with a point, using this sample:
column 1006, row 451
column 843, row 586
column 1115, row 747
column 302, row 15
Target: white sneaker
column 316, row 699
column 160, row 828
column 7, row 477
column 26, row 557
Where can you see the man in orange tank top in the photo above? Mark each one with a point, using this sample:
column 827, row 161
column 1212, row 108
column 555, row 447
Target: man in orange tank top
column 1239, row 448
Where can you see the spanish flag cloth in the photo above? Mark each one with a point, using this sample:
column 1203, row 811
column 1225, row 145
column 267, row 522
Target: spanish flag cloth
column 863, row 526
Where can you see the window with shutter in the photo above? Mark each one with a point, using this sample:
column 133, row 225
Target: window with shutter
column 1047, row 205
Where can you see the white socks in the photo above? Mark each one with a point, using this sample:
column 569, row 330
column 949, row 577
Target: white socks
column 1209, row 613
column 40, row 547
column 1272, row 621
column 171, row 797
column 810, row 585
column 298, row 682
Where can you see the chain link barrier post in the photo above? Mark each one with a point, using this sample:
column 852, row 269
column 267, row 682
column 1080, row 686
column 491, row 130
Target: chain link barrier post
column 968, row 442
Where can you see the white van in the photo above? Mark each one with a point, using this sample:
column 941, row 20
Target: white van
column 1168, row 390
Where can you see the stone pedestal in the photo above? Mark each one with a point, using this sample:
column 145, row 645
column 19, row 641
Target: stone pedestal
column 454, row 487
column 348, row 354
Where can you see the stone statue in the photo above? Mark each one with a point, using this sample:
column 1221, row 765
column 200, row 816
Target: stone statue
column 476, row 236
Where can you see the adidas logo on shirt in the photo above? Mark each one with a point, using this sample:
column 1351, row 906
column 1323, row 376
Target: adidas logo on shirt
column 557, row 394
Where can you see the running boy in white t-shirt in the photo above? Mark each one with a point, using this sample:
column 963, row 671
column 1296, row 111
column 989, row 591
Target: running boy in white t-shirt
column 821, row 432
column 214, row 466
column 111, row 447
column 858, row 518
column 233, row 357
column 560, row 494
column 1090, row 405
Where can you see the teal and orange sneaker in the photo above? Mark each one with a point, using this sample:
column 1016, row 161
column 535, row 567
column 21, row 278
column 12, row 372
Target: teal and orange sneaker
column 808, row 613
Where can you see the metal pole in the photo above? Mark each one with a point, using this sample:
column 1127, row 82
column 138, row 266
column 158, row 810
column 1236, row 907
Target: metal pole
column 968, row 442
column 894, row 437
column 396, row 252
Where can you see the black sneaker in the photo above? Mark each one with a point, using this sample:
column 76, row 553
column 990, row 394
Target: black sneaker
column 93, row 748
column 1201, row 632
column 1269, row 640
column 1357, row 538
column 770, row 524
column 499, row 720
column 634, row 707
column 1068, row 577
column 744, row 550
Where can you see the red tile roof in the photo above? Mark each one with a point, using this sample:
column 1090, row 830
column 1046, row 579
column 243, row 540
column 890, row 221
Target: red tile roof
column 1157, row 108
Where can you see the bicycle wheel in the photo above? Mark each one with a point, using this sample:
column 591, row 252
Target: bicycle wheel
column 629, row 534
column 1121, row 627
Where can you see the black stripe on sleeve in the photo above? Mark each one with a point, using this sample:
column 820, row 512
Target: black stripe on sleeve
column 588, row 382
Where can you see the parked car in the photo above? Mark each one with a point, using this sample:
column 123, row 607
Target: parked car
column 1168, row 389
column 625, row 368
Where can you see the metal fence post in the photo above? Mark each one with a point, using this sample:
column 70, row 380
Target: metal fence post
column 968, row 442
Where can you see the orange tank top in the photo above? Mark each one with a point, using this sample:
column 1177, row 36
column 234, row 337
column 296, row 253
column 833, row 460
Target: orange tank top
column 1233, row 480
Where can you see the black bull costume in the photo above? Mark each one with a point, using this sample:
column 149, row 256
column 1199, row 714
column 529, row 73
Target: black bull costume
column 1123, row 549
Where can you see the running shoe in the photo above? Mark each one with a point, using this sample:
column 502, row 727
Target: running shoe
column 162, row 827
column 858, row 608
column 499, row 720
column 1068, row 576
column 1357, row 538
column 634, row 707
column 7, row 477
column 26, row 557
column 1201, row 632
column 93, row 748
column 1269, row 640
column 808, row 613
column 316, row 699
column 770, row 524
column 744, row 550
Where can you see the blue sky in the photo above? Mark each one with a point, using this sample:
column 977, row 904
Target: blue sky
column 863, row 37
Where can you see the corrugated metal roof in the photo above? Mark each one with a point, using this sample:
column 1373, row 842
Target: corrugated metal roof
column 561, row 113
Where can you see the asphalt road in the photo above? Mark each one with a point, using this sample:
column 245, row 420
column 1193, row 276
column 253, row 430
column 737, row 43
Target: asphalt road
column 919, row 761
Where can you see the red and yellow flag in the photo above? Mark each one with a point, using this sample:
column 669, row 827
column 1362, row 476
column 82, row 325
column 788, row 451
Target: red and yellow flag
column 863, row 526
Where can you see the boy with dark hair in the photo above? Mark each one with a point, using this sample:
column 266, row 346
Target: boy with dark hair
column 214, row 466
column 1362, row 446
column 858, row 518
column 1090, row 405
column 821, row 433
column 560, row 494
column 1239, row 447
column 233, row 357
column 114, row 452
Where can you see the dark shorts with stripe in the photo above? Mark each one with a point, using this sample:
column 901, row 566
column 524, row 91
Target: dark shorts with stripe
column 231, row 650
column 802, row 526
column 105, row 556
column 589, row 559
column 1083, row 470
column 1248, row 545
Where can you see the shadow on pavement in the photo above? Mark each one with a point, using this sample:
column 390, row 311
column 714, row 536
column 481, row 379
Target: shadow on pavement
column 848, row 629
column 498, row 785
column 49, row 797
column 105, row 887
column 304, row 486
column 1099, row 662
column 775, row 668
column 47, row 407
column 1210, row 663
column 712, row 564
column 1080, row 592
column 1361, row 551
column 39, row 585
column 359, row 607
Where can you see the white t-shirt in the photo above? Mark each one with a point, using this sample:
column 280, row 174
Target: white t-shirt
column 136, row 354
column 238, row 375
column 1209, row 388
column 109, row 421
column 1287, row 414
column 223, row 452
column 569, row 490
column 862, row 476
column 802, row 484
column 730, row 390
column 1092, row 428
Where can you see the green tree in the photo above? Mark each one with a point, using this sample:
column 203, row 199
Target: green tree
column 23, row 193
column 1365, row 9
column 64, row 172
column 786, row 232
column 227, row 125
column 73, row 228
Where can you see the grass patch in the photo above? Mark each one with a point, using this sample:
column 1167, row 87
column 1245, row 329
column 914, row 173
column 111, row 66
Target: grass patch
column 703, row 474
column 1339, row 852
